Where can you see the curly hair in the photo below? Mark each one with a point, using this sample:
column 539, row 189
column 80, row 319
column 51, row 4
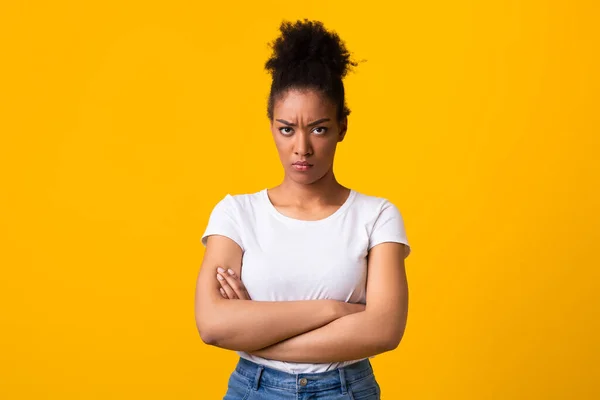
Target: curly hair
column 307, row 56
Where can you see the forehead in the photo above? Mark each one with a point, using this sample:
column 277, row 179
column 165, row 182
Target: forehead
column 306, row 102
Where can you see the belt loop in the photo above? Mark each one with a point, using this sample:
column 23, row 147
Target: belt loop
column 343, row 380
column 259, row 372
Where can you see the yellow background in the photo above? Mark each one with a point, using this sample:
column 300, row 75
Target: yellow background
column 123, row 123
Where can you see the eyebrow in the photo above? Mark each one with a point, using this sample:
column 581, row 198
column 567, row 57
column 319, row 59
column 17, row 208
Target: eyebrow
column 311, row 124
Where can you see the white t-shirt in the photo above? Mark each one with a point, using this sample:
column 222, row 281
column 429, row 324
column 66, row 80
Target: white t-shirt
column 286, row 259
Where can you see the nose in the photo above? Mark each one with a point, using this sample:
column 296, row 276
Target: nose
column 302, row 146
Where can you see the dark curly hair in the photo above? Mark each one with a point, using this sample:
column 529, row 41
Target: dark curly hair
column 307, row 56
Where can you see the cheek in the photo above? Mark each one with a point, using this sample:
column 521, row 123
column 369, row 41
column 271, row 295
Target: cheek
column 327, row 149
column 279, row 144
column 283, row 148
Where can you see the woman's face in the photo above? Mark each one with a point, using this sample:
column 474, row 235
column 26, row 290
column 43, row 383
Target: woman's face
column 306, row 132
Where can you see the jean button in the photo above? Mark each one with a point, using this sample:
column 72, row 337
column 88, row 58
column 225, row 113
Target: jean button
column 303, row 381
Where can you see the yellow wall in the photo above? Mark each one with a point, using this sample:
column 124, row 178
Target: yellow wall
column 123, row 123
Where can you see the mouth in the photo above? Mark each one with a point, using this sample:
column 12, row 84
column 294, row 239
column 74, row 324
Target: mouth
column 301, row 165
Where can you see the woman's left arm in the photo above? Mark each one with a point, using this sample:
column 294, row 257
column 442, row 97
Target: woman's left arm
column 376, row 330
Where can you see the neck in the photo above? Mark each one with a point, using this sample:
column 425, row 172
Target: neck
column 324, row 190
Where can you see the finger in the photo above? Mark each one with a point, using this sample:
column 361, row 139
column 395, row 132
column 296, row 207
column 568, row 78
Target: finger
column 229, row 292
column 242, row 288
column 228, row 289
column 236, row 283
column 238, row 286
column 223, row 294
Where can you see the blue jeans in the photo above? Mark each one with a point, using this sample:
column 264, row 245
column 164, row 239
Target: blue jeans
column 252, row 381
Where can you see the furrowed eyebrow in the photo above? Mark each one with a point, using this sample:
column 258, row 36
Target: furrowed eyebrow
column 311, row 124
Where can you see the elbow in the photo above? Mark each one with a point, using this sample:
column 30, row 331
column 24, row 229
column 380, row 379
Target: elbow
column 208, row 325
column 392, row 340
column 218, row 338
column 391, row 344
column 214, row 335
column 207, row 333
column 206, row 336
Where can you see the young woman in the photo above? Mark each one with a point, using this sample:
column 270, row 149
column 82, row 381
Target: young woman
column 284, row 278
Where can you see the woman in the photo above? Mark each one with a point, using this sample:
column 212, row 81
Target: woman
column 296, row 313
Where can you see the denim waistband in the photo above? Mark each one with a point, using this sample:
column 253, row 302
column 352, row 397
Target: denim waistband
column 304, row 382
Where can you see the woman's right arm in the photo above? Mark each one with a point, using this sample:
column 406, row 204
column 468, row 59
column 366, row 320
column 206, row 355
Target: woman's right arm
column 247, row 325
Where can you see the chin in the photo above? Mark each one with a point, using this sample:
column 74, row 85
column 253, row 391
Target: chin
column 305, row 178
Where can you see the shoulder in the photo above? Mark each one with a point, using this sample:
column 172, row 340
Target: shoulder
column 230, row 217
column 239, row 202
column 374, row 206
column 384, row 220
column 244, row 200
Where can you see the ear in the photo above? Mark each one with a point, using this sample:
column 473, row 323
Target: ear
column 343, row 129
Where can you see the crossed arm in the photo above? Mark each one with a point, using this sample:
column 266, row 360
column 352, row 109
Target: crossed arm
column 304, row 331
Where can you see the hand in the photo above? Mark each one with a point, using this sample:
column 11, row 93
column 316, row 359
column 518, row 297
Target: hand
column 232, row 287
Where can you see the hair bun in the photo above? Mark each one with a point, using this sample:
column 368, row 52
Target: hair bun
column 307, row 43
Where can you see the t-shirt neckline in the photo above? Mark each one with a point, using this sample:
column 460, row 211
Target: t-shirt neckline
column 273, row 210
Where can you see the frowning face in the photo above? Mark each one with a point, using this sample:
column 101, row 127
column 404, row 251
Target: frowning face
column 306, row 132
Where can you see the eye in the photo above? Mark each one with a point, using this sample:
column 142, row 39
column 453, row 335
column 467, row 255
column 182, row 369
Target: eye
column 322, row 132
column 285, row 133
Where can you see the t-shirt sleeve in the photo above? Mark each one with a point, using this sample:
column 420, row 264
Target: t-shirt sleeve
column 223, row 221
column 389, row 227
